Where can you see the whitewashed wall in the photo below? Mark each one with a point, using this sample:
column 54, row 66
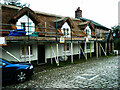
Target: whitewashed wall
column 75, row 49
column 61, row 51
column 92, row 47
column 15, row 49
column 24, row 19
column 48, row 50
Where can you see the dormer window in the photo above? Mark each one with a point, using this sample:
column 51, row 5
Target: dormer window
column 88, row 31
column 27, row 25
column 66, row 30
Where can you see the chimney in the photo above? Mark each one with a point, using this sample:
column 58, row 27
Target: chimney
column 78, row 13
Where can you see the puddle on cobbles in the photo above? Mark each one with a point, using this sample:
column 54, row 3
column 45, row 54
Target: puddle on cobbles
column 89, row 77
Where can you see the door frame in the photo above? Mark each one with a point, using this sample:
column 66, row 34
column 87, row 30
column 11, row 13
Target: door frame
column 38, row 54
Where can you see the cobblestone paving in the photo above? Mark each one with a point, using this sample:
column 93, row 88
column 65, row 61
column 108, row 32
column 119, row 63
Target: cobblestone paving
column 101, row 73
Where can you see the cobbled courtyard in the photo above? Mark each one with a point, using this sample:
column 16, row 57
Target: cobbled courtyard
column 96, row 73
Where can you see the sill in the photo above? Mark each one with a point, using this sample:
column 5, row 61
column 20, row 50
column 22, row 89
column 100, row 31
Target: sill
column 22, row 56
column 66, row 51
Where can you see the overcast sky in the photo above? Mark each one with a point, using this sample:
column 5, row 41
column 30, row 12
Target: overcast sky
column 104, row 12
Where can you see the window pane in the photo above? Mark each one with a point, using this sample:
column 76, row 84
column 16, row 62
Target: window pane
column 23, row 26
column 67, row 31
column 64, row 31
column 27, row 50
column 88, row 45
column 67, row 46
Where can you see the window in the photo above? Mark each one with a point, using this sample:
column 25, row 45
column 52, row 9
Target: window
column 66, row 32
column 23, row 26
column 87, row 31
column 27, row 50
column 66, row 47
column 88, row 45
column 26, row 27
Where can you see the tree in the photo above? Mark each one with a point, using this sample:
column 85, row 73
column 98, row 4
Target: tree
column 116, row 30
column 16, row 3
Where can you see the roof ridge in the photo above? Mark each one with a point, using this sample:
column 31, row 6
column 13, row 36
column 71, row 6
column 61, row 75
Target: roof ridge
column 39, row 12
column 10, row 6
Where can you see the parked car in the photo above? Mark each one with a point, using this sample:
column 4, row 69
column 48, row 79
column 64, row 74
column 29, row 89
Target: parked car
column 16, row 71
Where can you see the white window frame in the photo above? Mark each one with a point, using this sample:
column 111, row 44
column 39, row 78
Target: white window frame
column 66, row 32
column 26, row 27
column 88, row 46
column 27, row 55
column 67, row 45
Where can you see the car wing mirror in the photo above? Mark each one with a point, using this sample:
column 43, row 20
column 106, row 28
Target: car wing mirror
column 3, row 64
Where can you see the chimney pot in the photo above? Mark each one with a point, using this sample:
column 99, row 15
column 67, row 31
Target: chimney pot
column 78, row 8
column 78, row 13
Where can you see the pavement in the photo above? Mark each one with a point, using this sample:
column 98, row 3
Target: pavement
column 96, row 73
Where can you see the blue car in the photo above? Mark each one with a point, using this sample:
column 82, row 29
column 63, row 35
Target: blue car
column 16, row 71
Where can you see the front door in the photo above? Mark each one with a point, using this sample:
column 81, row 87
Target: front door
column 41, row 54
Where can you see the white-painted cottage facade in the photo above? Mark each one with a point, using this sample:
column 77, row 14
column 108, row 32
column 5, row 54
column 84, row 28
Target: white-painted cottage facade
column 46, row 45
